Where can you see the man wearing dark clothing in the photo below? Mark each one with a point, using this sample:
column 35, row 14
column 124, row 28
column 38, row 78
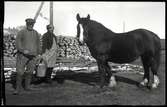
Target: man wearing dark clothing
column 49, row 51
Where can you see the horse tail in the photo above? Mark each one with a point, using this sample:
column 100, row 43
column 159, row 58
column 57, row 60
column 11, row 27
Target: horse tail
column 157, row 50
column 157, row 45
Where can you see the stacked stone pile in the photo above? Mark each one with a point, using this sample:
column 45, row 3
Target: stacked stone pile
column 9, row 47
column 68, row 47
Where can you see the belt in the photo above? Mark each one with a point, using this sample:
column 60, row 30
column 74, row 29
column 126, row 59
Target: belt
column 26, row 55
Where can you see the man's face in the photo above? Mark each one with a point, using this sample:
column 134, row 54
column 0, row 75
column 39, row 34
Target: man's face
column 50, row 28
column 30, row 26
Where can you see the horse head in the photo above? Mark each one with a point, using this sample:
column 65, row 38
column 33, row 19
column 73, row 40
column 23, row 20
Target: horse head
column 84, row 21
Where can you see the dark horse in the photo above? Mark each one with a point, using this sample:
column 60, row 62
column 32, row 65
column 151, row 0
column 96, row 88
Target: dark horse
column 105, row 46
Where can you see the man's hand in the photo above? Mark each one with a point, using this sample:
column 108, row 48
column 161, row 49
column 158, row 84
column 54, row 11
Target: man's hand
column 26, row 51
column 38, row 59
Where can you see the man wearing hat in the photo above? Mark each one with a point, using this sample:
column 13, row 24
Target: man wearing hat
column 28, row 51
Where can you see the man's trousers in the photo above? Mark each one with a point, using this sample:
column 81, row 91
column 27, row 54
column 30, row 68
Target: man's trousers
column 24, row 66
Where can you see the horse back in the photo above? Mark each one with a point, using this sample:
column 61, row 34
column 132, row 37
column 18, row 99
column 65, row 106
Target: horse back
column 146, row 39
column 135, row 43
column 125, row 47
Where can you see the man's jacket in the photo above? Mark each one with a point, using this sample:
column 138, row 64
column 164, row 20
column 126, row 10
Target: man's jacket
column 47, row 41
column 28, row 40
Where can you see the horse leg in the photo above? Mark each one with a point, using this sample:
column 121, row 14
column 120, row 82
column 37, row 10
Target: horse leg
column 102, row 70
column 146, row 65
column 154, row 68
column 108, row 72
column 110, row 78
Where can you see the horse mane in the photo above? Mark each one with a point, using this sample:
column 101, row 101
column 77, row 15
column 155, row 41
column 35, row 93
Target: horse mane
column 98, row 25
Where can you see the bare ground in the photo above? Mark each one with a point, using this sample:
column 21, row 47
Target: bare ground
column 82, row 89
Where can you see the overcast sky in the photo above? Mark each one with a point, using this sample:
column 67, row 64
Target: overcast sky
column 148, row 15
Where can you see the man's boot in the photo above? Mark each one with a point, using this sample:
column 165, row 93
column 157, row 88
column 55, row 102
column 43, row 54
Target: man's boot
column 28, row 82
column 18, row 84
column 48, row 75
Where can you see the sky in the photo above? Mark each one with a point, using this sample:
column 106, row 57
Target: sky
column 113, row 15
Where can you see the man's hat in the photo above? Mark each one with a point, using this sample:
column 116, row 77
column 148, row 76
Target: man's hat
column 30, row 20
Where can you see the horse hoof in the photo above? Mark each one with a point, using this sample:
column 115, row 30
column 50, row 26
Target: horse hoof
column 143, row 83
column 154, row 85
column 112, row 84
column 156, row 82
column 140, row 85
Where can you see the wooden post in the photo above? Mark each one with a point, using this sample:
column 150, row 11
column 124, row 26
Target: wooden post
column 123, row 26
column 51, row 12
column 39, row 9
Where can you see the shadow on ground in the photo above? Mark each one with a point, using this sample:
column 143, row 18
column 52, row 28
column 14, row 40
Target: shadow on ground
column 92, row 78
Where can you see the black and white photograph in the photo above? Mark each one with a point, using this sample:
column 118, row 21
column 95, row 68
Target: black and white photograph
column 83, row 53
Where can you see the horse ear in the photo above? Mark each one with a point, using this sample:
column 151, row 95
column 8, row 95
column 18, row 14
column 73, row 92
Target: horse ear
column 78, row 17
column 88, row 17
